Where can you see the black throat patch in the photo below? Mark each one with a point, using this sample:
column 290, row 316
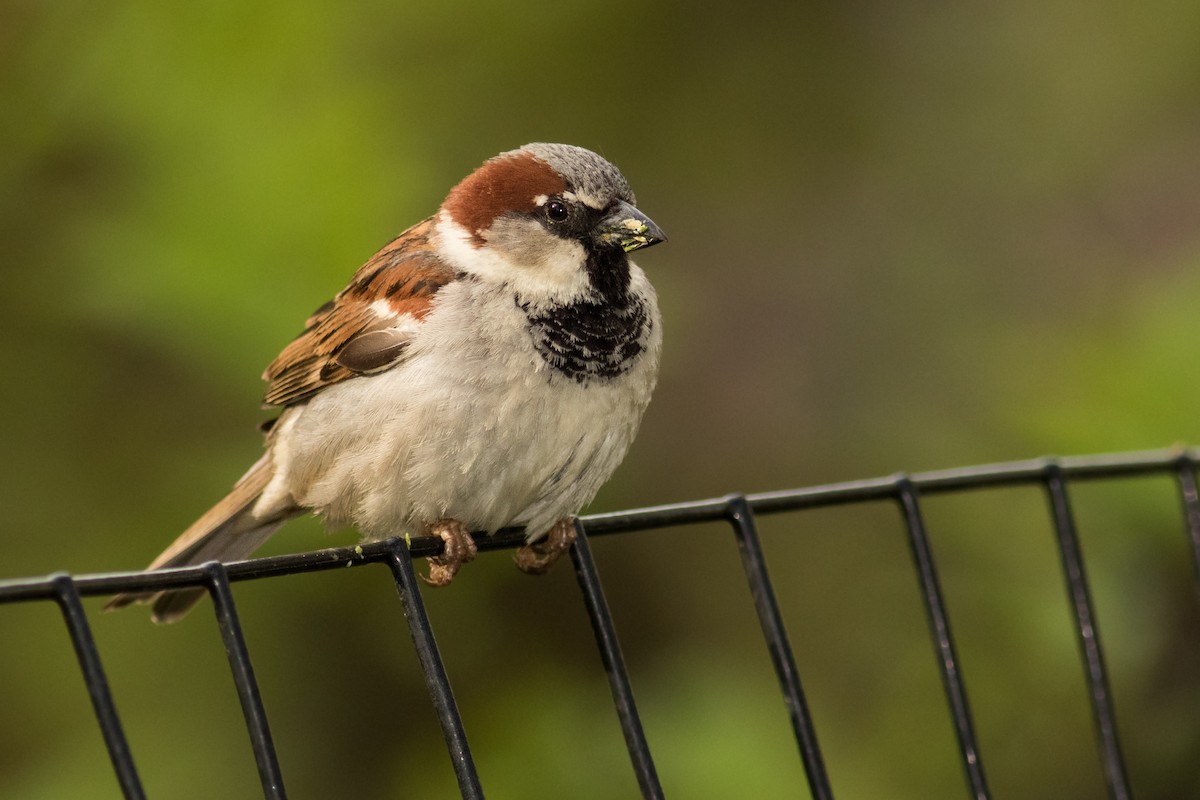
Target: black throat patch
column 597, row 337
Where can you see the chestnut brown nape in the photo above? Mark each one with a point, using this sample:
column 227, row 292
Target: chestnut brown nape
column 508, row 182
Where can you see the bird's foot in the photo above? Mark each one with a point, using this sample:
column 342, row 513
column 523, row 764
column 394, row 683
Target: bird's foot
column 460, row 548
column 537, row 558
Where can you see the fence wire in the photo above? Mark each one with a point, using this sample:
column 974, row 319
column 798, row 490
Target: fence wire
column 906, row 491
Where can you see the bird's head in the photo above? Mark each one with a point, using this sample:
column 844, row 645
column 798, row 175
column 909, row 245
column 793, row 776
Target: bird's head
column 553, row 222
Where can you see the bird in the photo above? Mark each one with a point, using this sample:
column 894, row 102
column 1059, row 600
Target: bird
column 487, row 368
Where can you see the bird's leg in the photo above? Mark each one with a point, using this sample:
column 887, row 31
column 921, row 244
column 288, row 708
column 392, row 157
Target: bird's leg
column 459, row 549
column 539, row 557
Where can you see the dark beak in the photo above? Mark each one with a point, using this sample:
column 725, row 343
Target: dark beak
column 628, row 228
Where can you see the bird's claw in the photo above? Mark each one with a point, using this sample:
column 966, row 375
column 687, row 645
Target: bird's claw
column 459, row 549
column 537, row 558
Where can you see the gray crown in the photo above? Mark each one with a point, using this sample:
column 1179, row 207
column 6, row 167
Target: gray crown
column 585, row 171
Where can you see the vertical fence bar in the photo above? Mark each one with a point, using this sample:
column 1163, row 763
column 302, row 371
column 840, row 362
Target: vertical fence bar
column 1088, row 635
column 614, row 665
column 1185, row 473
column 771, row 620
column 436, row 680
column 943, row 642
column 247, row 687
column 97, row 685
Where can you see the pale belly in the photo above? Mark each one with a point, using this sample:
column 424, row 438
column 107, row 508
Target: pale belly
column 485, row 443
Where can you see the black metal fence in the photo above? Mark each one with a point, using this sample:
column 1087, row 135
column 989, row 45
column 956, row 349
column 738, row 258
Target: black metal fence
column 740, row 511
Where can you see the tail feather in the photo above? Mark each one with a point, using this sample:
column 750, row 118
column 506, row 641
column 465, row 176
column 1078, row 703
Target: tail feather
column 229, row 531
column 173, row 606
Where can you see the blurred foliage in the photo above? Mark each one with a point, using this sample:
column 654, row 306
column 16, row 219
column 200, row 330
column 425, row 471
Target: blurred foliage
column 904, row 236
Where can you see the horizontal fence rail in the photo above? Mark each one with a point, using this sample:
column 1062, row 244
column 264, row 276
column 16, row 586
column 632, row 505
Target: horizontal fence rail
column 906, row 492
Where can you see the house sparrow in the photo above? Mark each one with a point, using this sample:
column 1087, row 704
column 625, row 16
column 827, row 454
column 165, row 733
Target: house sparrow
column 487, row 368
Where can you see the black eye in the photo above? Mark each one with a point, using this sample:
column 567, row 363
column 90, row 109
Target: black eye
column 557, row 210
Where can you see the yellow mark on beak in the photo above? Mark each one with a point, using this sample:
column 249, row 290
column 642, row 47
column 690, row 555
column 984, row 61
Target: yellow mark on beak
column 634, row 240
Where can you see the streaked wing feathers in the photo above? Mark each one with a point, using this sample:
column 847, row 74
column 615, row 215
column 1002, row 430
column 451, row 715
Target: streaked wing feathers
column 367, row 327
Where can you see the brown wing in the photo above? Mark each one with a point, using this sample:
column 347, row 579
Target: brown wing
column 367, row 327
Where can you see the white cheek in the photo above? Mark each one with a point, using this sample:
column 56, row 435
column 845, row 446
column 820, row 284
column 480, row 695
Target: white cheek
column 457, row 246
column 553, row 271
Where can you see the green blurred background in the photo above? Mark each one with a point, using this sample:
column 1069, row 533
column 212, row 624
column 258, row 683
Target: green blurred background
column 903, row 237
